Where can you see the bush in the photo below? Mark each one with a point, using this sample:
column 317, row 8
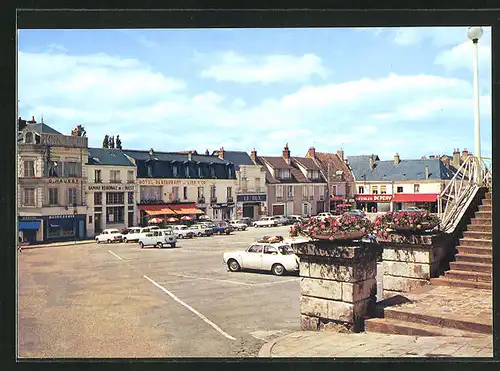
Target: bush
column 404, row 221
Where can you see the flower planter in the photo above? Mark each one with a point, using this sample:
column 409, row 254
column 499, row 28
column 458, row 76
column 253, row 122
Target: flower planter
column 339, row 237
column 422, row 227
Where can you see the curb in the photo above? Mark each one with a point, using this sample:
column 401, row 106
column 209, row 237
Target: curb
column 31, row 247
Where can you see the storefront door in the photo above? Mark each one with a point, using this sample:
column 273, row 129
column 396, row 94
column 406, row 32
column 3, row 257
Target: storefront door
column 29, row 235
column 97, row 224
column 248, row 211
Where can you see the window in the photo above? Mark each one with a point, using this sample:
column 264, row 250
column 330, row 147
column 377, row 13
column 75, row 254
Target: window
column 29, row 168
column 174, row 170
column 130, row 176
column 270, row 250
column 212, row 172
column 310, row 191
column 115, row 214
column 53, row 196
column 90, row 219
column 229, row 192
column 334, row 190
column 71, row 196
column 97, row 176
column 54, row 169
column 361, row 189
column 185, row 193
column 257, row 184
column 131, row 197
column 115, row 198
column 29, row 197
column 98, row 198
column 151, row 193
column 199, row 172
column 114, row 176
column 29, row 137
column 244, row 183
column 256, row 249
column 200, row 192
column 279, row 191
column 383, row 189
column 375, row 190
column 313, row 174
column 321, row 191
column 416, row 188
column 283, row 173
column 399, row 190
column 71, row 169
column 150, row 170
column 289, row 192
column 212, row 191
column 304, row 191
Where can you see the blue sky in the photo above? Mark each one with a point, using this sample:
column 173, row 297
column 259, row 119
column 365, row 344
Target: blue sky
column 367, row 90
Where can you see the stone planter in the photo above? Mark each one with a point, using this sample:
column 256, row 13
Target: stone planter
column 338, row 285
column 410, row 261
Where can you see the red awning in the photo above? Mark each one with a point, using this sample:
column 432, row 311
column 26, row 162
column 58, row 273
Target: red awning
column 336, row 198
column 415, row 197
column 157, row 210
column 186, row 209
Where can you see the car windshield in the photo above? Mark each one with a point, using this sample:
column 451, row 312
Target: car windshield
column 285, row 250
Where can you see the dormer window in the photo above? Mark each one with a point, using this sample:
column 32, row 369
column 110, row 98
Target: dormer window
column 150, row 170
column 187, row 170
column 199, row 171
column 174, row 170
column 283, row 174
column 28, row 137
column 313, row 174
column 212, row 172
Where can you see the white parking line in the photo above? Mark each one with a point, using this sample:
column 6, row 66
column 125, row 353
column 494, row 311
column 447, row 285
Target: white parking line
column 273, row 283
column 190, row 308
column 111, row 252
column 210, row 279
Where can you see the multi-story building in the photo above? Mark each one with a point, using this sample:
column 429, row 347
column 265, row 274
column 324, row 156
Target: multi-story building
column 111, row 190
column 338, row 175
column 295, row 185
column 51, row 183
column 251, row 189
column 183, row 184
column 398, row 184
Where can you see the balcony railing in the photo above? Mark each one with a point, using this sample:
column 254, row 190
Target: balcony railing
column 115, row 181
column 322, row 198
column 150, row 201
column 230, row 199
column 280, row 199
column 311, row 198
column 213, row 200
column 201, row 200
column 130, row 181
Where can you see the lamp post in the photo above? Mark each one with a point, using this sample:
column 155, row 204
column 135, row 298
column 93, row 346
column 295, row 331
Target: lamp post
column 474, row 34
column 75, row 211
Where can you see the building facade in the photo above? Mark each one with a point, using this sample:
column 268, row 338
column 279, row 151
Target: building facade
column 295, row 185
column 51, row 184
column 111, row 190
column 398, row 184
column 202, row 183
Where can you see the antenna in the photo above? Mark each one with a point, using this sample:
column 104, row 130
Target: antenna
column 41, row 118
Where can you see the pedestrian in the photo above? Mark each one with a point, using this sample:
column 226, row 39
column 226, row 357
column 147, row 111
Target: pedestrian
column 19, row 246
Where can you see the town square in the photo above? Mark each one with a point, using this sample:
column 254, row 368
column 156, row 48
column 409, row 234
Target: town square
column 251, row 202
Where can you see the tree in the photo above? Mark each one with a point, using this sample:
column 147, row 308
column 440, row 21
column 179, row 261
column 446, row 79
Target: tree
column 105, row 142
column 118, row 142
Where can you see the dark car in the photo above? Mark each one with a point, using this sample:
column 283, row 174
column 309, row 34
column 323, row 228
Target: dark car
column 248, row 221
column 223, row 228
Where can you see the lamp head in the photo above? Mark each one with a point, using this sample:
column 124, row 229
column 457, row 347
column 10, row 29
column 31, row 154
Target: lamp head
column 474, row 33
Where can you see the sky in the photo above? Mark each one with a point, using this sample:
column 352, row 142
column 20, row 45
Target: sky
column 366, row 90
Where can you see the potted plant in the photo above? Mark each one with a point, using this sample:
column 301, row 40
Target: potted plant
column 340, row 228
column 405, row 221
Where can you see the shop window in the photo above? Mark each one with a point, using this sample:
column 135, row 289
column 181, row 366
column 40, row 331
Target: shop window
column 53, row 196
column 98, row 198
column 29, row 168
column 399, row 190
column 115, row 198
column 383, row 189
column 416, row 188
column 115, row 214
column 131, row 197
column 29, row 197
column 334, row 190
column 72, row 196
column 361, row 189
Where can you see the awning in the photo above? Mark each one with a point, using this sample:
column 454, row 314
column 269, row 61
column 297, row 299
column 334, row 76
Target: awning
column 186, row 209
column 415, row 197
column 336, row 198
column 157, row 210
column 28, row 225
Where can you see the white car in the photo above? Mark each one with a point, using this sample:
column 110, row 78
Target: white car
column 202, row 230
column 109, row 236
column 265, row 222
column 238, row 225
column 135, row 232
column 181, row 231
column 326, row 215
column 276, row 257
column 158, row 238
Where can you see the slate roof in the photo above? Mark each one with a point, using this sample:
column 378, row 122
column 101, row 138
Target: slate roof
column 336, row 164
column 106, row 156
column 236, row 157
column 405, row 170
column 171, row 156
column 296, row 174
column 41, row 128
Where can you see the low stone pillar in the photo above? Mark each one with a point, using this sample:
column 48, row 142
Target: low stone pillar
column 338, row 285
column 410, row 261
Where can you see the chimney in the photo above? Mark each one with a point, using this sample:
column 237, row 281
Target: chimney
column 431, row 157
column 427, row 172
column 32, row 121
column 206, row 152
column 372, row 162
column 286, row 154
column 396, row 159
column 253, row 155
column 465, row 153
column 221, row 153
column 311, row 153
column 456, row 158
column 340, row 153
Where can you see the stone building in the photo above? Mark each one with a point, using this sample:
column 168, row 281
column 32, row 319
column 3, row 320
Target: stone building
column 398, row 184
column 295, row 185
column 251, row 189
column 177, row 184
column 51, row 183
column 111, row 190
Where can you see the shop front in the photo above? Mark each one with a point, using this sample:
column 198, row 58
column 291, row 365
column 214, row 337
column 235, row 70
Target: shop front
column 250, row 205
column 223, row 211
column 335, row 201
column 424, row 201
column 374, row 202
column 65, row 227
column 30, row 229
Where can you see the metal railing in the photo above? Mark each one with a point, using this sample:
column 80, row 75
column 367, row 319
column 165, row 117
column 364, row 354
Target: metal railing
column 459, row 193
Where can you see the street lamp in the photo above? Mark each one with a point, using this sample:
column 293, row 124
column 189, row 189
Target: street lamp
column 474, row 34
column 75, row 211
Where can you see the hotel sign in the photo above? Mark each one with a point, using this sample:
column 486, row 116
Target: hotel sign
column 64, row 180
column 374, row 198
column 251, row 198
column 103, row 187
column 177, row 182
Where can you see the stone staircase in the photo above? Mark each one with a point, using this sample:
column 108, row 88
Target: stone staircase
column 451, row 305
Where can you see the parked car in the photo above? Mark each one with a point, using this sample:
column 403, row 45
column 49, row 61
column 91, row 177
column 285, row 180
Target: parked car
column 202, row 230
column 158, row 238
column 238, row 225
column 181, row 231
column 281, row 219
column 109, row 236
column 355, row 212
column 295, row 219
column 248, row 221
column 223, row 228
column 414, row 209
column 134, row 233
column 325, row 215
column 278, row 258
column 265, row 222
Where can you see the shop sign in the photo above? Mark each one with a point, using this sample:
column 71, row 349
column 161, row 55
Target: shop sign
column 111, row 188
column 177, row 182
column 60, row 216
column 29, row 217
column 374, row 198
column 64, row 180
column 251, row 198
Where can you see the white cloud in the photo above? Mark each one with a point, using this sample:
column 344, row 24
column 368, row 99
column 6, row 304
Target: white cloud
column 438, row 36
column 230, row 66
column 461, row 56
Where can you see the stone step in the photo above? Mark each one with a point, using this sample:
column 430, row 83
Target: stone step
column 477, row 250
column 486, row 201
column 485, row 208
column 488, row 195
column 446, row 281
column 478, row 235
column 480, row 227
column 483, row 215
column 476, row 242
column 441, row 321
column 483, row 221
column 468, row 276
column 471, row 267
column 395, row 326
column 473, row 258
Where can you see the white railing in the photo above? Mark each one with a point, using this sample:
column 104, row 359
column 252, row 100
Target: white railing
column 458, row 194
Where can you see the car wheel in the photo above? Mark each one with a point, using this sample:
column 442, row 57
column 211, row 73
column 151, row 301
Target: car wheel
column 141, row 244
column 97, row 240
column 233, row 265
column 160, row 245
column 278, row 270
column 200, row 234
column 125, row 240
column 108, row 241
column 180, row 236
column 172, row 245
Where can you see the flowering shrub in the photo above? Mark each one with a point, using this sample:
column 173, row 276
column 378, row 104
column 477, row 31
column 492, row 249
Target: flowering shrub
column 332, row 228
column 404, row 220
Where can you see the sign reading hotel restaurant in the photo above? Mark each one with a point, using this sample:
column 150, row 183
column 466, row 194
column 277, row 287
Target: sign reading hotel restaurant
column 374, row 198
column 102, row 187
column 64, row 180
column 250, row 198
column 183, row 182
